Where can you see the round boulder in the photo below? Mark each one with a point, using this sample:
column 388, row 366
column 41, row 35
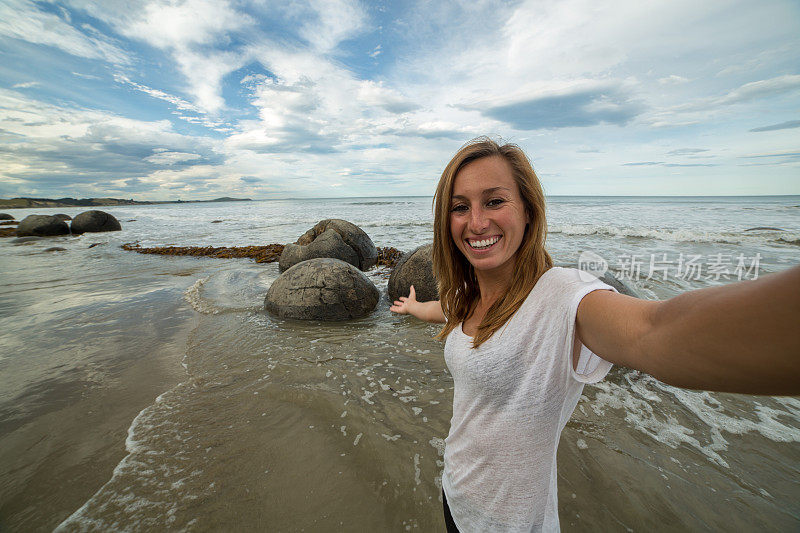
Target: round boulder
column 62, row 216
column 41, row 226
column 321, row 289
column 328, row 244
column 414, row 268
column 6, row 216
column 95, row 221
column 351, row 236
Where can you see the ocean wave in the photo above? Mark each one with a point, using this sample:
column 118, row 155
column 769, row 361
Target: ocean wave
column 394, row 223
column 133, row 494
column 192, row 295
column 380, row 203
column 656, row 409
column 680, row 235
column 230, row 291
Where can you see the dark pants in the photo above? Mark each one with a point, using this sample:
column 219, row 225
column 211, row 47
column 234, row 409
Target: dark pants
column 448, row 518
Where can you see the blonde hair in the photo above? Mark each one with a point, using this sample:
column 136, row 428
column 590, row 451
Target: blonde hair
column 458, row 286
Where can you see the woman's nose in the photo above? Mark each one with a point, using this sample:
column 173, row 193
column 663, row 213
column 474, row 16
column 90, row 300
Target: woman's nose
column 478, row 222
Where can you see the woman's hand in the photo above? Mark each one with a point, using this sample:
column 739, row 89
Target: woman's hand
column 402, row 305
column 427, row 311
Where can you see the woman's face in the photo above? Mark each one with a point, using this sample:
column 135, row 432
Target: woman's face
column 487, row 216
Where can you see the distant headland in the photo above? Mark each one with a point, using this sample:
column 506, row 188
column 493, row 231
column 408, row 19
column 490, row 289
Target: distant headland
column 88, row 202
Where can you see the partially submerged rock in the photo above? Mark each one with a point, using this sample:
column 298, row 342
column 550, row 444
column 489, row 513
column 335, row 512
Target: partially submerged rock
column 362, row 253
column 328, row 244
column 23, row 240
column 609, row 278
column 414, row 268
column 42, row 226
column 95, row 221
column 321, row 289
column 62, row 216
column 6, row 216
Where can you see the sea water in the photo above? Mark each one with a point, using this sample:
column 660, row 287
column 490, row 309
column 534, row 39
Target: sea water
column 143, row 392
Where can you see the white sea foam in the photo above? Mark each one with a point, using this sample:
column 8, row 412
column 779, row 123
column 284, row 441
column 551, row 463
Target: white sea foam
column 679, row 234
column 192, row 295
column 107, row 496
column 652, row 407
column 230, row 291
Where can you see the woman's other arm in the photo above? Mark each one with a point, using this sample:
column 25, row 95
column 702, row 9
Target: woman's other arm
column 427, row 311
column 743, row 337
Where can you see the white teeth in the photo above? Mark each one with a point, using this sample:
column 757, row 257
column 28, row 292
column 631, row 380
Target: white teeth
column 484, row 243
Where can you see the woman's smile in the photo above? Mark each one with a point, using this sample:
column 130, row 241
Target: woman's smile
column 484, row 244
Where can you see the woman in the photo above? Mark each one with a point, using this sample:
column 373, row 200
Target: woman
column 522, row 338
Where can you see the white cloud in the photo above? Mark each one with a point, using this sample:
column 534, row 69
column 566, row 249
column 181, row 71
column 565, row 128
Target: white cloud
column 376, row 94
column 181, row 25
column 176, row 101
column 331, row 22
column 20, row 19
column 761, row 89
column 26, row 85
column 163, row 157
column 672, row 79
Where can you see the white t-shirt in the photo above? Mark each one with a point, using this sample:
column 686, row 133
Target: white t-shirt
column 513, row 396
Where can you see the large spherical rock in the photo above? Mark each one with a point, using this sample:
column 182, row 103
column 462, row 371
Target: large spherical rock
column 328, row 244
column 94, row 221
column 42, row 225
column 414, row 268
column 352, row 236
column 6, row 216
column 321, row 289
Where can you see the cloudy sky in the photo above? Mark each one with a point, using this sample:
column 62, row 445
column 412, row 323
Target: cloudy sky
column 199, row 99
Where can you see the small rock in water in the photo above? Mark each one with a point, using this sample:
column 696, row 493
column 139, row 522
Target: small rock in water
column 55, row 249
column 23, row 240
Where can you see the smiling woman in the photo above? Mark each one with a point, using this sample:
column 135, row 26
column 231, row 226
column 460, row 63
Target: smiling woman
column 523, row 337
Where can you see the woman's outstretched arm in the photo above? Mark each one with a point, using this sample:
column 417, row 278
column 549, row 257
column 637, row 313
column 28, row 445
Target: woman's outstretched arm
column 427, row 311
column 743, row 337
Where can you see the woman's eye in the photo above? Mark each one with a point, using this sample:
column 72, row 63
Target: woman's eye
column 459, row 207
column 495, row 202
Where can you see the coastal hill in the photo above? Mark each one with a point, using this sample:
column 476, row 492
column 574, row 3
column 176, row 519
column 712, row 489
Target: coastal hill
column 88, row 202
